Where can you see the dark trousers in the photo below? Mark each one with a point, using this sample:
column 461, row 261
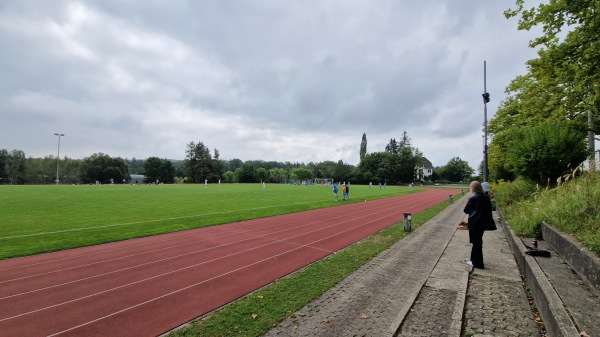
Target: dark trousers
column 477, row 250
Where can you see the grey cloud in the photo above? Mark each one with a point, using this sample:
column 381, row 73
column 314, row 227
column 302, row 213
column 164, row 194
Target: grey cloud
column 286, row 81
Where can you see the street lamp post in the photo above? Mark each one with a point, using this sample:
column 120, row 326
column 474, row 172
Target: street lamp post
column 58, row 155
column 486, row 99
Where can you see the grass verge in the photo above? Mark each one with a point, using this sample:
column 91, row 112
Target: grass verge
column 572, row 207
column 258, row 312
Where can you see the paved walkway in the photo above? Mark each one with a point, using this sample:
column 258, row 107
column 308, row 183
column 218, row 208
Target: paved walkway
column 421, row 286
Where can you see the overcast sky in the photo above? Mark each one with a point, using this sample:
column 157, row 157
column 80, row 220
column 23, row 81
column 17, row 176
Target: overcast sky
column 297, row 81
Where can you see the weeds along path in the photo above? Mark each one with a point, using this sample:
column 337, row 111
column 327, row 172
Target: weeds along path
column 150, row 285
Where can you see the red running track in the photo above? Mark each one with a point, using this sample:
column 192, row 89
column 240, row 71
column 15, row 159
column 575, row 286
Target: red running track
column 147, row 286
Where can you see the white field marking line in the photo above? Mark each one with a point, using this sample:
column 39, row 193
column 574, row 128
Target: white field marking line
column 117, row 249
column 169, row 239
column 102, row 252
column 167, row 219
column 129, row 247
column 150, row 221
column 207, row 280
column 304, row 224
column 128, row 284
column 337, row 214
column 120, row 270
column 246, row 233
column 174, row 257
column 308, row 245
column 174, row 238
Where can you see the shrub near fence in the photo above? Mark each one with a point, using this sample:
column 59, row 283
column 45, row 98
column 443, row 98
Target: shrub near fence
column 571, row 207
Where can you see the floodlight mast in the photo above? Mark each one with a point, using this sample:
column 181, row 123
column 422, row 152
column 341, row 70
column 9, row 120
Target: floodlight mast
column 486, row 99
column 58, row 155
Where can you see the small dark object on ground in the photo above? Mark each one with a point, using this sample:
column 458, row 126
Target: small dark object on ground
column 537, row 252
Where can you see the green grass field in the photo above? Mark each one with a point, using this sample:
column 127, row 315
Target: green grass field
column 37, row 219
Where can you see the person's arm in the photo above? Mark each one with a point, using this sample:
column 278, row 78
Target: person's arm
column 470, row 206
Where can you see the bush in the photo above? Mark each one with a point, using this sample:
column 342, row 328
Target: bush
column 571, row 207
column 506, row 193
column 546, row 151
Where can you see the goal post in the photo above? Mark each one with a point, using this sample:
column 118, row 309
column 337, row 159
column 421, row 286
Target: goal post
column 323, row 181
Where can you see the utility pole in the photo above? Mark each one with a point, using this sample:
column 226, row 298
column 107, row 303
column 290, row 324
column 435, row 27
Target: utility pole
column 486, row 99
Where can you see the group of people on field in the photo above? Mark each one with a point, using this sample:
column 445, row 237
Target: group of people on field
column 345, row 191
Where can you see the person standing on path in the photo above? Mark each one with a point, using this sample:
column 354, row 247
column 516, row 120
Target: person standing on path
column 479, row 208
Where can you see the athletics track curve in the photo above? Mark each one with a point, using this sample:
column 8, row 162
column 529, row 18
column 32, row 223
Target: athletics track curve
column 148, row 286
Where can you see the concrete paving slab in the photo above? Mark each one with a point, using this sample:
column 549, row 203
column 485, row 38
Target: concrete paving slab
column 433, row 292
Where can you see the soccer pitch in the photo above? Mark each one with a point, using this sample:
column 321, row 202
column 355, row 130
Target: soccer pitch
column 38, row 219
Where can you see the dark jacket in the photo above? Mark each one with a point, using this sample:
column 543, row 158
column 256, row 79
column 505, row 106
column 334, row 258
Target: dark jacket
column 479, row 208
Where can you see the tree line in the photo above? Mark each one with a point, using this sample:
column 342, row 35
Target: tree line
column 547, row 125
column 399, row 163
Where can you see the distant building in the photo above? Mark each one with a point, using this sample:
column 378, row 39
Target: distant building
column 137, row 179
column 425, row 171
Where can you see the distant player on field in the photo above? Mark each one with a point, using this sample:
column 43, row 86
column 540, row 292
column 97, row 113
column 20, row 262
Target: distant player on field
column 335, row 192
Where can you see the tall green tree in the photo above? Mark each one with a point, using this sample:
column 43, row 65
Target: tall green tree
column 200, row 165
column 301, row 173
column 162, row 170
column 43, row 170
column 3, row 174
column 276, row 175
column 392, row 146
column 363, row 146
column 232, row 165
column 70, row 169
column 342, row 171
column 544, row 152
column 406, row 141
column 456, row 170
column 398, row 164
column 216, row 167
column 246, row 173
column 14, row 166
column 40, row 171
column 101, row 167
column 136, row 166
column 262, row 174
column 381, row 166
column 229, row 177
column 324, row 169
column 410, row 160
column 568, row 67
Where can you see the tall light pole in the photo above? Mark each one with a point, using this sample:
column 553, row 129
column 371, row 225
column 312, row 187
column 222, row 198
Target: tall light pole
column 58, row 155
column 486, row 99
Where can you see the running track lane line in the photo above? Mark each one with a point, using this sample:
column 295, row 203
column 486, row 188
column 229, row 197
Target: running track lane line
column 168, row 236
column 228, row 232
column 129, row 246
column 373, row 203
column 231, row 233
column 309, row 245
